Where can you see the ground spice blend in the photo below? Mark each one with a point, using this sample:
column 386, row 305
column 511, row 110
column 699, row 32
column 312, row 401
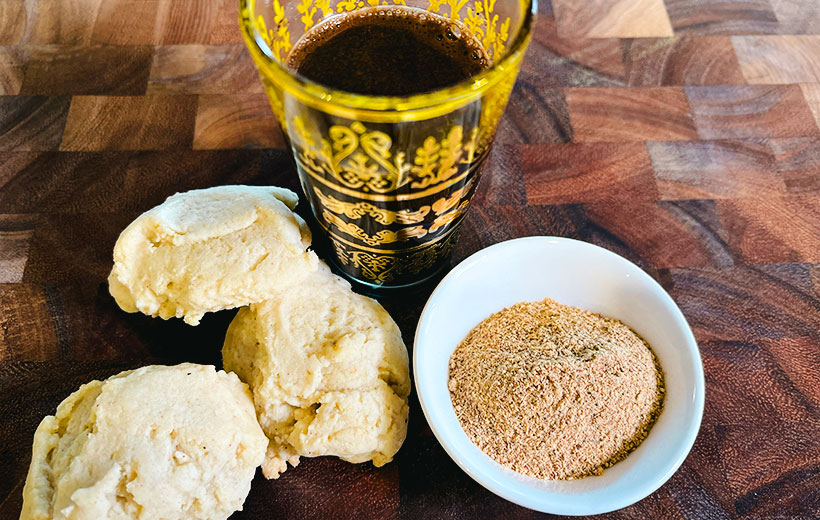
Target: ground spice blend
column 553, row 391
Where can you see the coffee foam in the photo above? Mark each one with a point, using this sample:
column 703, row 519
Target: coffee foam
column 450, row 37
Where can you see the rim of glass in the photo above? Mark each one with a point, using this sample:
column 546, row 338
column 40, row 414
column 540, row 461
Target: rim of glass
column 384, row 108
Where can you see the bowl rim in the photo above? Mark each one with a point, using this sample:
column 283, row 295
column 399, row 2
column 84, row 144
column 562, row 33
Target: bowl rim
column 506, row 488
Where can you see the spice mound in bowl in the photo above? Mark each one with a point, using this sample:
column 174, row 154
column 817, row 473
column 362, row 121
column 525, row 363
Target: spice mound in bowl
column 541, row 371
column 553, row 391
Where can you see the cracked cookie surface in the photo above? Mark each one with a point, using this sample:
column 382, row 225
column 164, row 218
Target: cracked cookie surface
column 328, row 371
column 208, row 250
column 159, row 442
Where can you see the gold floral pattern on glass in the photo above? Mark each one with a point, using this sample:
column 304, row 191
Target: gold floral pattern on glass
column 279, row 40
column 385, row 236
column 361, row 159
column 446, row 209
column 359, row 209
column 480, row 19
column 382, row 268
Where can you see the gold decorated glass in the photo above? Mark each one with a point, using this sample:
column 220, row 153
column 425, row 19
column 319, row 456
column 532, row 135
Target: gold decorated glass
column 388, row 178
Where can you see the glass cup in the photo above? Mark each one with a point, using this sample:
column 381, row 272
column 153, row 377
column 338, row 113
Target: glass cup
column 388, row 178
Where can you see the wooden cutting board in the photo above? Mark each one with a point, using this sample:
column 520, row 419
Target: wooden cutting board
column 681, row 134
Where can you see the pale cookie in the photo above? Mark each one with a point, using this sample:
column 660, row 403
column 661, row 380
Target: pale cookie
column 328, row 371
column 178, row 442
column 208, row 250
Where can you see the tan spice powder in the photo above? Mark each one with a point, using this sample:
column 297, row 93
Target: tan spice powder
column 553, row 391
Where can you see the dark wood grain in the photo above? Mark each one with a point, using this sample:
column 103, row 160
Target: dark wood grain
column 12, row 68
column 778, row 59
column 185, row 22
column 798, row 162
column 60, row 181
column 715, row 169
column 223, row 29
column 666, row 234
column 502, row 180
column 60, row 21
column 127, row 22
column 756, row 370
column 201, row 69
column 811, row 92
column 12, row 22
column 683, row 135
column 57, row 69
column 682, row 60
column 26, row 335
column 622, row 114
column 746, row 303
column 587, row 172
column 751, row 111
column 547, row 104
column 236, row 121
column 129, row 123
column 32, row 122
column 15, row 234
column 722, row 16
column 775, row 229
column 555, row 60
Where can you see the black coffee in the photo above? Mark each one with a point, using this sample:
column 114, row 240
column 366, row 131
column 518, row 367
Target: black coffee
column 388, row 51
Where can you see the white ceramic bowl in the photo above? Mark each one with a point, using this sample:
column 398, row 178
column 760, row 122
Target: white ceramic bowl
column 583, row 275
